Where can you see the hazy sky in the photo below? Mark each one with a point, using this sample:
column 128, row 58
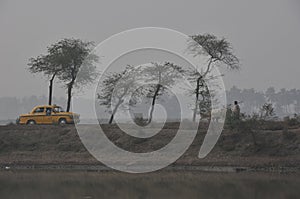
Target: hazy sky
column 264, row 34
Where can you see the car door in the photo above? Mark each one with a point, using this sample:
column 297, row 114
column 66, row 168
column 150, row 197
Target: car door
column 38, row 115
column 55, row 115
column 47, row 118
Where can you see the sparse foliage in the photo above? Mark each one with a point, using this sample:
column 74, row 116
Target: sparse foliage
column 267, row 111
column 116, row 86
column 160, row 76
column 219, row 51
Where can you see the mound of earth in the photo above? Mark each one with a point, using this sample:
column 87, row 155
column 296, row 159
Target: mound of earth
column 39, row 144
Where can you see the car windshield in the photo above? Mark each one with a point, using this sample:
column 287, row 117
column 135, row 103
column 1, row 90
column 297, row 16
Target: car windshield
column 39, row 110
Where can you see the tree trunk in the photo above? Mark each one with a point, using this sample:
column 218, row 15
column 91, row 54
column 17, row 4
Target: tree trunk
column 115, row 110
column 196, row 100
column 70, row 87
column 51, row 89
column 111, row 117
column 198, row 87
column 153, row 103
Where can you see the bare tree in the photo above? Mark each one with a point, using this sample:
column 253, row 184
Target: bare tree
column 219, row 51
column 116, row 86
column 161, row 76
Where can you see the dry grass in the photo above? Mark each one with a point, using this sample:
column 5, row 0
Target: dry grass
column 62, row 145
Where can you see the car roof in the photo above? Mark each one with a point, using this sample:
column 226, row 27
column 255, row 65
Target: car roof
column 46, row 106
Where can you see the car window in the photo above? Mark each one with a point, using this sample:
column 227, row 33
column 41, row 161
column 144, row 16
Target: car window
column 58, row 109
column 48, row 111
column 39, row 110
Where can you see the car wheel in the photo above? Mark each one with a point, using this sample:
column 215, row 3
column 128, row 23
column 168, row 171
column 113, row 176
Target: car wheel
column 62, row 121
column 31, row 122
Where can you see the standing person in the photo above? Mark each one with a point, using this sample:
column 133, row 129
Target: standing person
column 236, row 110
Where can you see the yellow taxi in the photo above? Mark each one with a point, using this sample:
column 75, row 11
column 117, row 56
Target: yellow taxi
column 48, row 114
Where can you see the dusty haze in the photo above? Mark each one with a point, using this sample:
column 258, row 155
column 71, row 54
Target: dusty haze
column 265, row 34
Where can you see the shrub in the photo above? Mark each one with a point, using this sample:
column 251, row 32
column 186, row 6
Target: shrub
column 292, row 121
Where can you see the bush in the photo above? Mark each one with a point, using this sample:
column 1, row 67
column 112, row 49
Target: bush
column 292, row 121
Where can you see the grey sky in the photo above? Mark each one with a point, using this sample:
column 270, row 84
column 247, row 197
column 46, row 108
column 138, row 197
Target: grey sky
column 265, row 34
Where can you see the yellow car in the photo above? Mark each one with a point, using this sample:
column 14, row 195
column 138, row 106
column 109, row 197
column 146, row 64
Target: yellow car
column 48, row 114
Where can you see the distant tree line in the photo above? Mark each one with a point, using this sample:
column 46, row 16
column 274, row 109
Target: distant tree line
column 285, row 101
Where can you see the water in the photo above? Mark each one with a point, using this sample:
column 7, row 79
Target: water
column 164, row 184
